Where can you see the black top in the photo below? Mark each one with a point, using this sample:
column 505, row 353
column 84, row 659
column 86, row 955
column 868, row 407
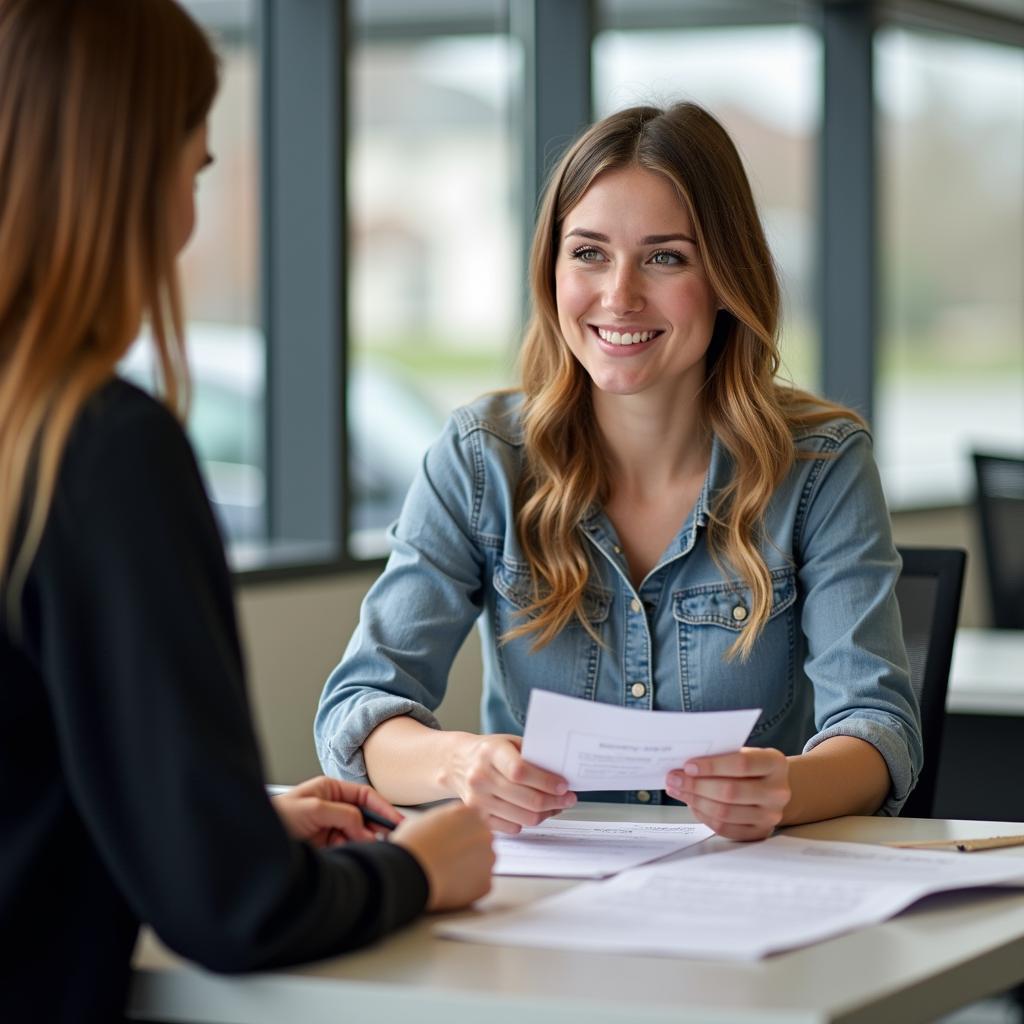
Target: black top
column 131, row 787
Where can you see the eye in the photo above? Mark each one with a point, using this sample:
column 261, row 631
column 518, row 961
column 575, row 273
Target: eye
column 668, row 258
column 587, row 254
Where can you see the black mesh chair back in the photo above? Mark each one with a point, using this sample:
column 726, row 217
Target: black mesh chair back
column 999, row 504
column 928, row 593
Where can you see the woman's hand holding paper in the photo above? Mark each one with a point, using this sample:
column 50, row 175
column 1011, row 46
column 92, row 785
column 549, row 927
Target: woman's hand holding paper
column 740, row 795
column 489, row 774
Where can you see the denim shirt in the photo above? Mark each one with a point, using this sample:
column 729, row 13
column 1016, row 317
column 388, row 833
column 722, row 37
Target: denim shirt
column 829, row 662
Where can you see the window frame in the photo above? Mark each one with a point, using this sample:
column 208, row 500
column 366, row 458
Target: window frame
column 303, row 149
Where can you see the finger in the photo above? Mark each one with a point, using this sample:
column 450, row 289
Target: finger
column 502, row 825
column 359, row 794
column 530, row 799
column 749, row 762
column 323, row 787
column 373, row 801
column 340, row 817
column 733, row 814
column 744, row 833
column 756, row 792
column 510, row 763
column 495, row 806
column 311, row 787
column 473, row 807
column 496, row 823
column 485, row 781
column 335, row 838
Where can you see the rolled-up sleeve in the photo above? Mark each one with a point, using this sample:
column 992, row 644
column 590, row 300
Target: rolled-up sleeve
column 856, row 656
column 416, row 615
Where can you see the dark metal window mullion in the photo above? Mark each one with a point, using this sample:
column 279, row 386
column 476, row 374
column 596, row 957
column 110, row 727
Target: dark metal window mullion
column 303, row 273
column 556, row 91
column 343, row 338
column 847, row 226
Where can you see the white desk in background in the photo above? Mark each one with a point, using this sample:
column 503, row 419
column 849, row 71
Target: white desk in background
column 948, row 951
column 987, row 674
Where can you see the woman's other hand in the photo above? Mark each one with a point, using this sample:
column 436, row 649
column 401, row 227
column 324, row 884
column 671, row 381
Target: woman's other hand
column 325, row 812
column 453, row 846
column 740, row 796
column 489, row 774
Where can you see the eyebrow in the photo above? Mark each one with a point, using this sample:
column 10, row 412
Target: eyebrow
column 648, row 240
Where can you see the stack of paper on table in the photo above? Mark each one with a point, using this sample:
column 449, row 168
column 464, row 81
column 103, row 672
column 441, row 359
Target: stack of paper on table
column 739, row 904
column 570, row 848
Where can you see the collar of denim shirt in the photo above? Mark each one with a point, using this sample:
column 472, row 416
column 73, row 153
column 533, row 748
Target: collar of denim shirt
column 599, row 528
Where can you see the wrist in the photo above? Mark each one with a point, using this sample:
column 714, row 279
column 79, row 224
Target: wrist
column 791, row 813
column 451, row 765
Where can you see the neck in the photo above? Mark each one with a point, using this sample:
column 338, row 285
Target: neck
column 653, row 442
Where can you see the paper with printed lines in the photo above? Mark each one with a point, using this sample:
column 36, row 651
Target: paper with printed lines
column 598, row 746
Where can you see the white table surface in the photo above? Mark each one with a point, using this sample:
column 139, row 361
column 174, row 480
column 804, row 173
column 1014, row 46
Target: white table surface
column 987, row 674
column 946, row 951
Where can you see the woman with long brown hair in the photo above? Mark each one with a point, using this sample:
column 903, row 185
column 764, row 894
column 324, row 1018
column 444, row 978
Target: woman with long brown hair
column 654, row 520
column 130, row 780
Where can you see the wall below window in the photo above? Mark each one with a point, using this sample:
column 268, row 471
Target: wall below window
column 294, row 634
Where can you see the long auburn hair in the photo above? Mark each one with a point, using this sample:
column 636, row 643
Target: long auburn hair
column 97, row 98
column 753, row 415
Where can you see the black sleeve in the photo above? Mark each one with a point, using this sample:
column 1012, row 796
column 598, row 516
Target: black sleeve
column 130, row 611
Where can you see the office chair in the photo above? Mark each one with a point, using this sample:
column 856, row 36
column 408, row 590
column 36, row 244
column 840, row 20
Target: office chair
column 928, row 593
column 999, row 504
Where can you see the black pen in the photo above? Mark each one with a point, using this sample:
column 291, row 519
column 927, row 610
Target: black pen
column 373, row 818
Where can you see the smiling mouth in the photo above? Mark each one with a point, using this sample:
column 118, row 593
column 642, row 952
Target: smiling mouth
column 625, row 338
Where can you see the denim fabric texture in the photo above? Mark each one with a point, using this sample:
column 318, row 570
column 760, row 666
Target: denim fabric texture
column 830, row 661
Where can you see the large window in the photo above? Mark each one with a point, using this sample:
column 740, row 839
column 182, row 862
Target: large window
column 359, row 270
column 762, row 83
column 434, row 244
column 951, row 188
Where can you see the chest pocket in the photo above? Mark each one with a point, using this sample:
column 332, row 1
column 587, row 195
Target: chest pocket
column 710, row 619
column 569, row 664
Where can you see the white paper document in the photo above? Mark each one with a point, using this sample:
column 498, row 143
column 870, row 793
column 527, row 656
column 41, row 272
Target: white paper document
column 569, row 848
column 739, row 904
column 600, row 746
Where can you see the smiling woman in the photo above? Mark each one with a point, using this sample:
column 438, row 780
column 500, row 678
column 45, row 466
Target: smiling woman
column 653, row 520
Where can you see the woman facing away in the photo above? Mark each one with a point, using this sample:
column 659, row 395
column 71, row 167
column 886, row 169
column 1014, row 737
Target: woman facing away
column 131, row 786
column 653, row 520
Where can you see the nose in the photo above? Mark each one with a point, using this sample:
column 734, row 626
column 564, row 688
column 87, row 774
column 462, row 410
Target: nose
column 623, row 291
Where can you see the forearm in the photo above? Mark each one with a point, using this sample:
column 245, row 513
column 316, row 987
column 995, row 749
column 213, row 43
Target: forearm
column 842, row 775
column 410, row 763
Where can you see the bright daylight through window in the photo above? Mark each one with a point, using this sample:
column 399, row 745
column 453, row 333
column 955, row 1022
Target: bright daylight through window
column 951, row 354
column 434, row 248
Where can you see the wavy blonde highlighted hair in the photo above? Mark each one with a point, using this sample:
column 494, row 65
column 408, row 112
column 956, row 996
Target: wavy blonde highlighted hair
column 97, row 98
column 753, row 415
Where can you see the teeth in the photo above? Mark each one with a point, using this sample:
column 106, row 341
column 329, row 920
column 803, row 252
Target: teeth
column 617, row 338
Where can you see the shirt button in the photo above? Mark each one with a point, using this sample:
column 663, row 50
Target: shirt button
column 617, row 549
column 635, row 605
column 643, row 796
column 739, row 613
column 638, row 690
